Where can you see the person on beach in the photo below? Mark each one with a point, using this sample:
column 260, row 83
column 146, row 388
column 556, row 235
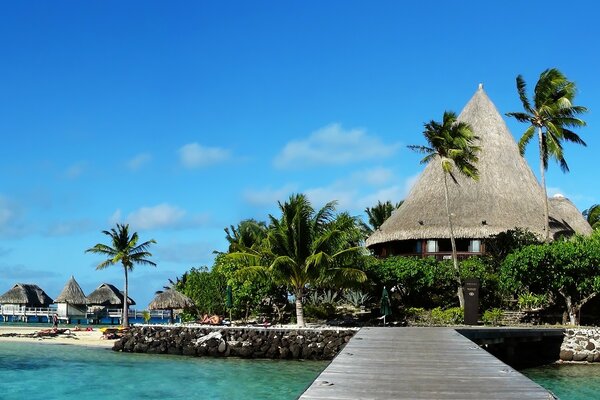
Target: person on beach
column 55, row 321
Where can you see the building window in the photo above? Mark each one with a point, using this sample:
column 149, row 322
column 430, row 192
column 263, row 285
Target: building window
column 432, row 246
column 419, row 247
column 475, row 246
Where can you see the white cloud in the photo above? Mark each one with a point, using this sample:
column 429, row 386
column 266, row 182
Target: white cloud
column 375, row 176
column 139, row 161
column 332, row 145
column 193, row 155
column 193, row 253
column 64, row 228
column 161, row 216
column 393, row 194
column 75, row 170
column 269, row 196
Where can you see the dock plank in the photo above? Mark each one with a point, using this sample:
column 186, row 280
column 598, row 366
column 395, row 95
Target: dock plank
column 419, row 363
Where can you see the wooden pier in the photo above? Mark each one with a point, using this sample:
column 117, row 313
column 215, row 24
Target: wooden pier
column 419, row 363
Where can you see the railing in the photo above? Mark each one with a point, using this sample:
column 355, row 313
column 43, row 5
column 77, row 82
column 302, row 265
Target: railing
column 29, row 311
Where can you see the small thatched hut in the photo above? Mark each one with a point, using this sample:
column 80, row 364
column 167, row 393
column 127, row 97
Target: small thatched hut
column 24, row 295
column 72, row 303
column 107, row 295
column 170, row 300
column 506, row 196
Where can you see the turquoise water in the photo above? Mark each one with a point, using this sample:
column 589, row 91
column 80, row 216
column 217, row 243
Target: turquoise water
column 568, row 381
column 50, row 372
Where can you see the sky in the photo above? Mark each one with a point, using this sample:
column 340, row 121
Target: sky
column 182, row 118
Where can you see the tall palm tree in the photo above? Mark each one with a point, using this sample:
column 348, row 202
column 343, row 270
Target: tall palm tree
column 126, row 250
column 592, row 216
column 552, row 114
column 452, row 143
column 248, row 233
column 378, row 214
column 304, row 247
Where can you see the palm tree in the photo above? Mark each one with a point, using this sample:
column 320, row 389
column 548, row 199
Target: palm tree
column 303, row 248
column 378, row 214
column 452, row 143
column 552, row 114
column 592, row 215
column 126, row 250
column 248, row 233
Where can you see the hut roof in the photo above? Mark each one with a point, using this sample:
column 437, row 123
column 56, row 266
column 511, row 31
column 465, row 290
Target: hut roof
column 107, row 295
column 506, row 196
column 71, row 293
column 26, row 294
column 565, row 218
column 170, row 299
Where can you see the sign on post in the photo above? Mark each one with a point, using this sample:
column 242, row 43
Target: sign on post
column 471, row 292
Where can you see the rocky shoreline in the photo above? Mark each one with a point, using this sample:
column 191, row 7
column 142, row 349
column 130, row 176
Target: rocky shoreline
column 581, row 345
column 254, row 342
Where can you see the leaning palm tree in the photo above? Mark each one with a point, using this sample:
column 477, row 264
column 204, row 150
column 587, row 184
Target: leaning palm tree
column 378, row 214
column 304, row 248
column 126, row 250
column 452, row 143
column 592, row 216
column 552, row 114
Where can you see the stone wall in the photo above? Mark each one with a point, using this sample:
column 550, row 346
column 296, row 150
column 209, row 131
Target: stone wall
column 581, row 345
column 271, row 343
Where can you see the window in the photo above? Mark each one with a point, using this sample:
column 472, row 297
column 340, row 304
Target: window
column 475, row 246
column 432, row 246
column 419, row 247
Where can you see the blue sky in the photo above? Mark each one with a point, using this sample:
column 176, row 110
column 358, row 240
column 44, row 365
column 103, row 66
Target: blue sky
column 182, row 118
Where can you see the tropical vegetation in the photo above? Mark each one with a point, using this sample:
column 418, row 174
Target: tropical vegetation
column 378, row 214
column 452, row 143
column 551, row 115
column 123, row 249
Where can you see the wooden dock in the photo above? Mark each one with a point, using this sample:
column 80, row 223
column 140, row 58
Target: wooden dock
column 419, row 363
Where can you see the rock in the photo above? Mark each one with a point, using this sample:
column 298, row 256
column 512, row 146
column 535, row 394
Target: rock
column 590, row 346
column 579, row 356
column 566, row 355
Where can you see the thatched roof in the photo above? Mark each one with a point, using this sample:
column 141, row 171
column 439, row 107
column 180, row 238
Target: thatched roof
column 107, row 295
column 565, row 218
column 71, row 294
column 170, row 299
column 506, row 196
column 26, row 294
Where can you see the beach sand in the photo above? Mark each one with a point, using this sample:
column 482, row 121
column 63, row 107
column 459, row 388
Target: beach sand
column 80, row 338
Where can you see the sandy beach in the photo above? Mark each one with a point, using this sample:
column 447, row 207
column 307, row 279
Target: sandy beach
column 80, row 338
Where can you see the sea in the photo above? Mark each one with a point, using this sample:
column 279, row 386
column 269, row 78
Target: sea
column 568, row 381
column 51, row 372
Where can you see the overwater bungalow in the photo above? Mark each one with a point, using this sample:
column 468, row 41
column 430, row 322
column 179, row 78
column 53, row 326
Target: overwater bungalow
column 106, row 300
column 24, row 300
column 72, row 303
column 506, row 196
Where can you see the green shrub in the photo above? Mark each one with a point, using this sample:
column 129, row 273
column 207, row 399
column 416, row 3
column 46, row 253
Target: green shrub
column 318, row 311
column 492, row 317
column 530, row 301
column 451, row 316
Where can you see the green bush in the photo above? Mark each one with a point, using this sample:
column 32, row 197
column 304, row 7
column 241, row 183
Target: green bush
column 318, row 311
column 530, row 301
column 492, row 317
column 451, row 316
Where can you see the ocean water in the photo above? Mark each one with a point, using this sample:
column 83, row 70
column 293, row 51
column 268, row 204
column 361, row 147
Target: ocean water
column 568, row 381
column 50, row 372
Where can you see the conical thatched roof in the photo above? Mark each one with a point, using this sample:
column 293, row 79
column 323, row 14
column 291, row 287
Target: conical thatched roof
column 565, row 218
column 71, row 293
column 170, row 299
column 506, row 196
column 26, row 294
column 107, row 295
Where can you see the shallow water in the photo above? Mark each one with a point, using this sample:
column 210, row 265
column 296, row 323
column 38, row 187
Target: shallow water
column 49, row 372
column 568, row 381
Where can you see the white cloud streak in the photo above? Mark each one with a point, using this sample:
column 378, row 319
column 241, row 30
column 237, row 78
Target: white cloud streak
column 137, row 162
column 332, row 145
column 194, row 155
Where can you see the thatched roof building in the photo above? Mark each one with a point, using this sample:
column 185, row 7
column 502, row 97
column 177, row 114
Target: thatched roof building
column 107, row 295
column 25, row 294
column 506, row 196
column 72, row 294
column 170, row 299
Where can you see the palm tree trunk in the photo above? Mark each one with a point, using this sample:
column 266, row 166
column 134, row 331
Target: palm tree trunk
column 543, row 180
column 459, row 290
column 125, row 301
column 299, row 308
